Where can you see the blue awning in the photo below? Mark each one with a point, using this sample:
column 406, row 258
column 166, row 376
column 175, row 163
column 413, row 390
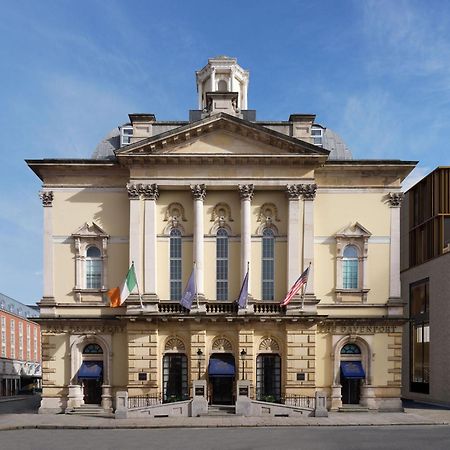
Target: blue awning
column 91, row 370
column 352, row 369
column 221, row 366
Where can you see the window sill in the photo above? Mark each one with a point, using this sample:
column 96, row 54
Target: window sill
column 90, row 291
column 351, row 291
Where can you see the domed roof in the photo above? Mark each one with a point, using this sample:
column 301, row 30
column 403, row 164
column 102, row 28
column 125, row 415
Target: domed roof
column 334, row 143
column 105, row 148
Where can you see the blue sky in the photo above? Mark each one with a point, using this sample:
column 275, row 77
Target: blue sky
column 376, row 72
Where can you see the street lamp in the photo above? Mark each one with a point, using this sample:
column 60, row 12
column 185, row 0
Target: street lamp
column 243, row 355
column 200, row 355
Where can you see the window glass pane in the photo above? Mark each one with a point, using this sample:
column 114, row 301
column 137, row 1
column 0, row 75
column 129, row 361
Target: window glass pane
column 350, row 274
column 175, row 264
column 93, row 252
column 268, row 265
column 350, row 251
column 222, row 264
column 93, row 273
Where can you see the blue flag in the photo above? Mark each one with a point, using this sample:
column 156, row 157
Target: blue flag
column 189, row 292
column 243, row 295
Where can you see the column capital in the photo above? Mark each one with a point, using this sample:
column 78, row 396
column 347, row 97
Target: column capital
column 133, row 191
column 293, row 191
column 308, row 191
column 246, row 191
column 198, row 191
column 47, row 198
column 149, row 191
column 395, row 199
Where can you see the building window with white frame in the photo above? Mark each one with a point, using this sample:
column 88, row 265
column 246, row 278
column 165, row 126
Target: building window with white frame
column 28, row 342
column 93, row 268
column 350, row 265
column 222, row 264
column 317, row 136
column 268, row 264
column 3, row 334
column 175, row 264
column 126, row 133
column 21, row 341
column 12, row 340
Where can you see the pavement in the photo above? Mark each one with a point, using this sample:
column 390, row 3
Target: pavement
column 415, row 414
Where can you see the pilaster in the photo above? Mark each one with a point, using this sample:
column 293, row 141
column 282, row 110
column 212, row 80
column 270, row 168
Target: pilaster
column 48, row 291
column 308, row 192
column 135, row 239
column 294, row 234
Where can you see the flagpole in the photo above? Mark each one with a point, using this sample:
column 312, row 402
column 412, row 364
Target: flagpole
column 306, row 285
column 195, row 284
column 137, row 285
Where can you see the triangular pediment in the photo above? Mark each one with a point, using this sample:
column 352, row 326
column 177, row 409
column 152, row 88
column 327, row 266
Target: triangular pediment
column 89, row 230
column 354, row 230
column 222, row 135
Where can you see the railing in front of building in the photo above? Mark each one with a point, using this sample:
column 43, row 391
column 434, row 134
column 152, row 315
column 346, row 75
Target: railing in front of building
column 299, row 401
column 215, row 307
column 141, row 401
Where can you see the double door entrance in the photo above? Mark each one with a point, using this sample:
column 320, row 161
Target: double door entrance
column 222, row 374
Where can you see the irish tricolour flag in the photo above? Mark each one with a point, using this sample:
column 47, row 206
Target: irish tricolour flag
column 119, row 294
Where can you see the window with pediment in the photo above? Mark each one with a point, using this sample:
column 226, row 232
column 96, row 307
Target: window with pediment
column 91, row 244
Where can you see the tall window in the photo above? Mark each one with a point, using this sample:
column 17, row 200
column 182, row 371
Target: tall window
column 3, row 327
column 93, row 268
column 222, row 264
column 420, row 337
column 175, row 264
column 350, row 267
column 268, row 377
column 175, row 377
column 12, row 339
column 268, row 264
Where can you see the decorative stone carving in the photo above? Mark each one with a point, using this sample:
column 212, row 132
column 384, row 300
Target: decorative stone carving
column 222, row 213
column 46, row 197
column 395, row 199
column 198, row 191
column 133, row 191
column 293, row 191
column 268, row 213
column 269, row 344
column 308, row 191
column 246, row 191
column 222, row 345
column 149, row 191
column 174, row 345
column 175, row 211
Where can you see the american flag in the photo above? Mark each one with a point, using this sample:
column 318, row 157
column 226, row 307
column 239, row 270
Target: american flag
column 301, row 281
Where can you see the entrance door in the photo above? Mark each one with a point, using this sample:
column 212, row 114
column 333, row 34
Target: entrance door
column 222, row 390
column 350, row 391
column 92, row 391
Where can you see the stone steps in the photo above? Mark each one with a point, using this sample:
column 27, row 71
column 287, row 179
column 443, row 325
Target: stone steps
column 220, row 411
column 353, row 408
column 90, row 410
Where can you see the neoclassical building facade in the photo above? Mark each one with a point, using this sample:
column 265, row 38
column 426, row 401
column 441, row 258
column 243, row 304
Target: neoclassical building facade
column 226, row 192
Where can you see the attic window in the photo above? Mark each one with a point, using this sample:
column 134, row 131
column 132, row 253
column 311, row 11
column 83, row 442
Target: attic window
column 317, row 136
column 126, row 134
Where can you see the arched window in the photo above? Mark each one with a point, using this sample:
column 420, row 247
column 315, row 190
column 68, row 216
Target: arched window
column 268, row 265
column 222, row 86
column 175, row 377
column 350, row 267
column 268, row 377
column 350, row 349
column 175, row 264
column 92, row 349
column 93, row 268
column 222, row 264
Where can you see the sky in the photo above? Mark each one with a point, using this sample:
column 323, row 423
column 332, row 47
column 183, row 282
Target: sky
column 377, row 72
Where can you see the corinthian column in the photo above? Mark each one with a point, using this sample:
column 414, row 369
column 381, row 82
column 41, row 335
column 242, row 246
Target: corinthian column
column 47, row 202
column 294, row 234
column 246, row 193
column 135, row 229
column 199, row 193
column 150, row 193
column 309, row 194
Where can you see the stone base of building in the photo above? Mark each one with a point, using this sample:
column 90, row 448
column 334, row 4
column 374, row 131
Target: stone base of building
column 51, row 405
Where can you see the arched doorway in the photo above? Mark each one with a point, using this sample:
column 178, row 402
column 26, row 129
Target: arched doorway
column 175, row 377
column 90, row 374
column 222, row 372
column 268, row 377
column 351, row 374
